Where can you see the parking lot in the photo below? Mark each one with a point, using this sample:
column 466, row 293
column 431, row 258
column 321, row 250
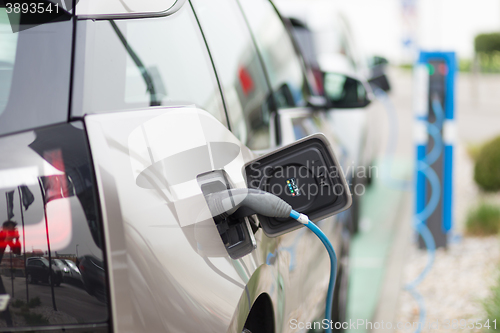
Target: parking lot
column 385, row 256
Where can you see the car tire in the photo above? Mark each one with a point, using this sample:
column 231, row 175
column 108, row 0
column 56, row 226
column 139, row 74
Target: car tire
column 356, row 203
column 355, row 215
column 340, row 299
column 30, row 279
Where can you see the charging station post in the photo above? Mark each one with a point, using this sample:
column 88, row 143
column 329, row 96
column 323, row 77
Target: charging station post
column 434, row 76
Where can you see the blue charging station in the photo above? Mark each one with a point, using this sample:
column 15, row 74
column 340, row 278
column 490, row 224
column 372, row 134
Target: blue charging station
column 435, row 131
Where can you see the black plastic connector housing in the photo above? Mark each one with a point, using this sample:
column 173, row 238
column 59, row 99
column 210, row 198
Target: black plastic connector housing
column 307, row 176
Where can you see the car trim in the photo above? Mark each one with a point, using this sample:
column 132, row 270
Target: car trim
column 118, row 16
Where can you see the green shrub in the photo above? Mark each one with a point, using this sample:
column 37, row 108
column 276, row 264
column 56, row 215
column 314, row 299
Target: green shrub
column 483, row 220
column 487, row 43
column 17, row 303
column 487, row 168
column 464, row 65
column 487, row 47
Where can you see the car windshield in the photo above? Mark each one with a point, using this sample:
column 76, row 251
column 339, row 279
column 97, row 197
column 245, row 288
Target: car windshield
column 70, row 263
column 58, row 262
column 45, row 261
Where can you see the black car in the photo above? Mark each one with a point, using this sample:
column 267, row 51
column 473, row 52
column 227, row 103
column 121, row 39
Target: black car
column 37, row 270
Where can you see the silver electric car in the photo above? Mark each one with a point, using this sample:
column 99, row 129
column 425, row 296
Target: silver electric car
column 116, row 117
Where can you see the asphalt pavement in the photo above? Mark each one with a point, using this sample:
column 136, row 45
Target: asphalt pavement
column 73, row 304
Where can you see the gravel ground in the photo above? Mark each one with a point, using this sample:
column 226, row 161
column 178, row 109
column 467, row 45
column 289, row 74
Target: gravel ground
column 462, row 275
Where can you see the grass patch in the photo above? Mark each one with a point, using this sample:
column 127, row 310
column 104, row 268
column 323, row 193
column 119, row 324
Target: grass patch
column 492, row 307
column 406, row 66
column 483, row 220
column 34, row 302
column 31, row 318
column 465, row 65
column 34, row 318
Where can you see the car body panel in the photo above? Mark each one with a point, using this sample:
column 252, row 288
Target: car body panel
column 162, row 250
column 168, row 268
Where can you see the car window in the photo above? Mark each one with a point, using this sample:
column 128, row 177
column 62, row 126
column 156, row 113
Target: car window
column 35, row 263
column 280, row 59
column 118, row 68
column 246, row 92
column 35, row 69
column 50, row 211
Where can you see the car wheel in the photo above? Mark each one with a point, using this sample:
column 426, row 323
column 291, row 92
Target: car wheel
column 30, row 279
column 355, row 213
column 340, row 299
column 358, row 184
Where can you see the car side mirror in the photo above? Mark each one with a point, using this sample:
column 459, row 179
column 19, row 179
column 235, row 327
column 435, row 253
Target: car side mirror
column 377, row 61
column 378, row 77
column 345, row 92
column 307, row 176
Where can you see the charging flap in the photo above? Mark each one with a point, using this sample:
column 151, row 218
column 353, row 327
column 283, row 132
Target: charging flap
column 305, row 174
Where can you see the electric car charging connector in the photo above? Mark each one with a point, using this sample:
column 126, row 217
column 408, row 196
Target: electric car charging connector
column 227, row 202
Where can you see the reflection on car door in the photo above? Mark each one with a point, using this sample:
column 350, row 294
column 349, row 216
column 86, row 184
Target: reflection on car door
column 308, row 262
column 48, row 171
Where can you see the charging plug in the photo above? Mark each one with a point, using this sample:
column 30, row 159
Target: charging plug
column 225, row 203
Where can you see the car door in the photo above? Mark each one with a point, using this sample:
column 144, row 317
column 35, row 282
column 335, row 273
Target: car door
column 153, row 150
column 41, row 270
column 36, row 269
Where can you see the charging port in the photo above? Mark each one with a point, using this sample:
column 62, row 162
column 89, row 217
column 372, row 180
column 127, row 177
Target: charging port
column 235, row 232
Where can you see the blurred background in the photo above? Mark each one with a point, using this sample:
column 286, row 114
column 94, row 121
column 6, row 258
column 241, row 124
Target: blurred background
column 393, row 277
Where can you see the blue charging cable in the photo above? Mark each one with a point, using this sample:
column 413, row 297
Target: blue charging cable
column 423, row 166
column 333, row 262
